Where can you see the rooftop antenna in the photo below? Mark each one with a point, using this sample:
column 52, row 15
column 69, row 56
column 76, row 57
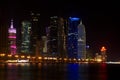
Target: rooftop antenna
column 80, row 21
column 11, row 26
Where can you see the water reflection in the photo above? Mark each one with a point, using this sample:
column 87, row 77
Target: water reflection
column 18, row 71
column 97, row 71
column 52, row 71
column 77, row 72
column 103, row 71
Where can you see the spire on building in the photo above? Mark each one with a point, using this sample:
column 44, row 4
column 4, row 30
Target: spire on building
column 80, row 21
column 11, row 26
column 11, row 29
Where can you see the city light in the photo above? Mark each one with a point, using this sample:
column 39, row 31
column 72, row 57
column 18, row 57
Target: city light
column 2, row 54
column 9, row 55
column 103, row 49
column 22, row 56
column 74, row 18
column 23, row 60
column 16, row 56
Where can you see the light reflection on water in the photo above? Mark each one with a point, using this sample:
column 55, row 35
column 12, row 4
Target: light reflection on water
column 52, row 71
column 77, row 72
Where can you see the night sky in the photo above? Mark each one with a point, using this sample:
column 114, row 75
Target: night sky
column 101, row 19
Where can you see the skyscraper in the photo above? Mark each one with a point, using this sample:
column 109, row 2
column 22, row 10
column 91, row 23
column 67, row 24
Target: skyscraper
column 72, row 40
column 35, row 29
column 81, row 41
column 44, row 39
column 12, row 39
column 76, row 40
column 56, row 36
column 53, row 36
column 26, row 35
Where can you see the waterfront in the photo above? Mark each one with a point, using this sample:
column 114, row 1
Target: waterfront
column 58, row 71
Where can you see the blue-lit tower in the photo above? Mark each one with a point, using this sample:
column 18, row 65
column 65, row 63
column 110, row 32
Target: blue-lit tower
column 81, row 41
column 72, row 39
column 26, row 34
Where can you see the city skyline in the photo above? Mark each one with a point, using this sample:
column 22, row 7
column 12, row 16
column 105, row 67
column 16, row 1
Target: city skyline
column 101, row 23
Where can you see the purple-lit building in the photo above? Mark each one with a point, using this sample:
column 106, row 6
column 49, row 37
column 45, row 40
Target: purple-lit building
column 12, row 39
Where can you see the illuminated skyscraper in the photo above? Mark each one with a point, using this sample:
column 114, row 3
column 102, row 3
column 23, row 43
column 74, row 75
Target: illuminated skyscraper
column 52, row 38
column 61, row 38
column 81, row 41
column 76, row 39
column 26, row 34
column 44, row 39
column 56, row 36
column 35, row 29
column 12, row 39
column 73, row 37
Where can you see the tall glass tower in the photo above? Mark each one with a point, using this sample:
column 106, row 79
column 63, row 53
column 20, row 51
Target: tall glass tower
column 73, row 37
column 26, row 34
column 35, row 29
column 76, row 39
column 81, row 41
column 52, row 38
column 56, row 37
column 12, row 39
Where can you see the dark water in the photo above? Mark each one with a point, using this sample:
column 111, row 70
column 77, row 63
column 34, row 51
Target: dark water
column 56, row 71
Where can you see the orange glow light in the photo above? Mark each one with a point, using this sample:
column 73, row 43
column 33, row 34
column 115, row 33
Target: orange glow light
column 103, row 49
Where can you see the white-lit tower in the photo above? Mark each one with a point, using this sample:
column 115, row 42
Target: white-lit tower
column 81, row 41
column 44, row 39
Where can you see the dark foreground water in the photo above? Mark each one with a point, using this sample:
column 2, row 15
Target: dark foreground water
column 56, row 71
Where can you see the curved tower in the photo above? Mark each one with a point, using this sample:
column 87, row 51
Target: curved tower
column 12, row 39
column 81, row 41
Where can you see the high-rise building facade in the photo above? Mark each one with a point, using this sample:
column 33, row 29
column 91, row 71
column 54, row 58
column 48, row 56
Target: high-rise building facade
column 52, row 38
column 81, row 41
column 76, row 40
column 73, row 37
column 44, row 39
column 35, row 29
column 12, row 39
column 56, row 36
column 61, row 38
column 26, row 35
